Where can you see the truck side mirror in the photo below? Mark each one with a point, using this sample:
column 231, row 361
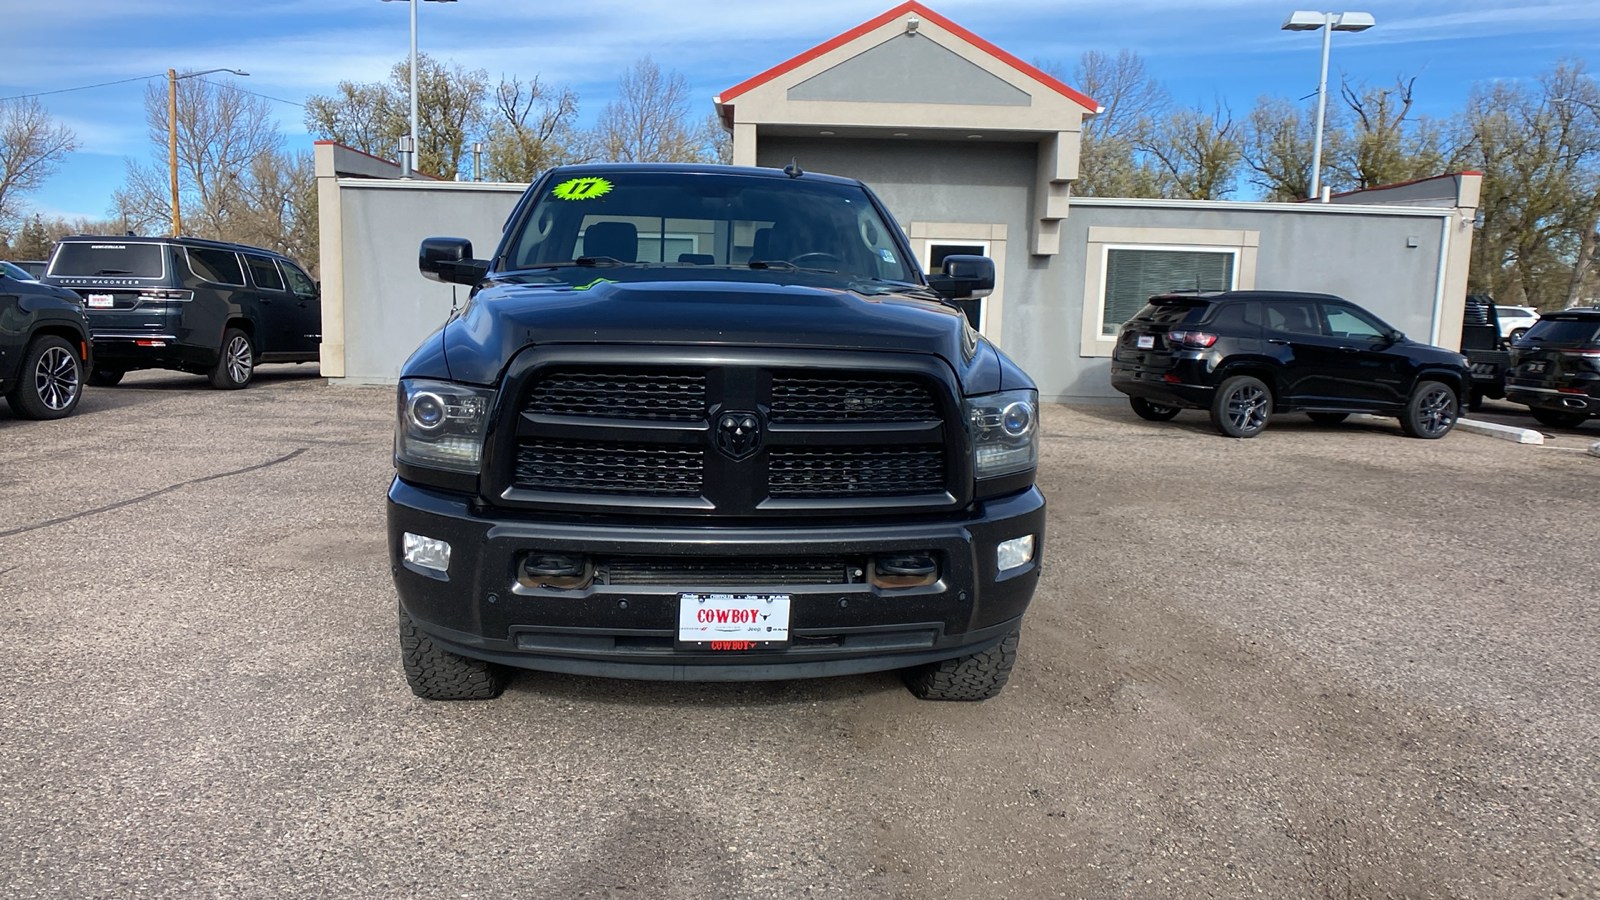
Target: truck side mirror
column 449, row 260
column 964, row 278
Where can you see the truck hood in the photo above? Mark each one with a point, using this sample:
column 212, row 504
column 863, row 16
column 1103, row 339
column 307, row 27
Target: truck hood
column 503, row 318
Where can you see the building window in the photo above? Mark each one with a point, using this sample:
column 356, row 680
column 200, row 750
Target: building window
column 1134, row 275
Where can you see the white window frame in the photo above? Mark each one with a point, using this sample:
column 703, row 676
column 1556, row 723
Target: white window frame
column 992, row 238
column 1242, row 245
column 1105, row 273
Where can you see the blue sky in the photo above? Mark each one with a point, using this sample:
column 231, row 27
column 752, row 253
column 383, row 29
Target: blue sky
column 1203, row 50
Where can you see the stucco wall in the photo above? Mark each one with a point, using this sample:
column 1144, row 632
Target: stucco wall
column 382, row 307
column 1357, row 252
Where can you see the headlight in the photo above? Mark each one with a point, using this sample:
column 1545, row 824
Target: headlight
column 441, row 424
column 1004, row 430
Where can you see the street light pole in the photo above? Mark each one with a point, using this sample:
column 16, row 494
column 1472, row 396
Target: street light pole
column 407, row 164
column 172, row 134
column 1301, row 20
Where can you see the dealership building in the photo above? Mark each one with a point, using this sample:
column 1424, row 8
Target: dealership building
column 973, row 151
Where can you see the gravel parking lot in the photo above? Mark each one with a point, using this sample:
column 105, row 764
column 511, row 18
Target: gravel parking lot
column 1326, row 662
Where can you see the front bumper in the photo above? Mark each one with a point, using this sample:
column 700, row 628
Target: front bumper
column 479, row 608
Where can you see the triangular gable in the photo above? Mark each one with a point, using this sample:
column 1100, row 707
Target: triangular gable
column 910, row 71
column 1023, row 76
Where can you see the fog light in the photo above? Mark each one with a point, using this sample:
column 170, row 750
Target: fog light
column 426, row 552
column 1015, row 552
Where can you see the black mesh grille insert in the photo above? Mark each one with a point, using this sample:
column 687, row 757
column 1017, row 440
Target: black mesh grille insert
column 669, row 395
column 694, row 573
column 818, row 472
column 807, row 397
column 591, row 467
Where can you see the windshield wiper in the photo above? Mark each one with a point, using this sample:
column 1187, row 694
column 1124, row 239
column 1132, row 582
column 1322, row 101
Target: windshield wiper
column 114, row 272
column 783, row 265
column 586, row 262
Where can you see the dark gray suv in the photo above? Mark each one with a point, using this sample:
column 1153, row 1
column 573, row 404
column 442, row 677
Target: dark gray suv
column 205, row 307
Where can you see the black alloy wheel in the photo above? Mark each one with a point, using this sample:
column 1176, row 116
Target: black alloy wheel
column 51, row 383
column 1431, row 412
column 1242, row 406
column 1154, row 412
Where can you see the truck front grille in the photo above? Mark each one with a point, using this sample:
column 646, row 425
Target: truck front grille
column 806, row 397
column 837, row 433
column 592, row 467
column 671, row 395
column 811, row 472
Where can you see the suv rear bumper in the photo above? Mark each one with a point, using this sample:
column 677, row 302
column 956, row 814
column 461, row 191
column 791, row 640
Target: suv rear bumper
column 1555, row 400
column 1189, row 390
column 479, row 608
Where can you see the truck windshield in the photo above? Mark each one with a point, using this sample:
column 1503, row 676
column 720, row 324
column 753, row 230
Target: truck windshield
column 715, row 226
column 109, row 257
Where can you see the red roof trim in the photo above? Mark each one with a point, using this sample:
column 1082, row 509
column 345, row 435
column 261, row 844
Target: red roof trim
column 910, row 7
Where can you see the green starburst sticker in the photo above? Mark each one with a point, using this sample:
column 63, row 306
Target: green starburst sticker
column 582, row 188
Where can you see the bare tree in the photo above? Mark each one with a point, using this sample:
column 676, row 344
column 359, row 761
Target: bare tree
column 532, row 129
column 221, row 131
column 649, row 120
column 372, row 117
column 236, row 181
column 1385, row 143
column 1198, row 152
column 363, row 116
column 1540, row 156
column 1110, row 161
column 1276, row 146
column 31, row 148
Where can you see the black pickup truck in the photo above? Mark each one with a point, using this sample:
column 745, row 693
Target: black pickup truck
column 711, row 423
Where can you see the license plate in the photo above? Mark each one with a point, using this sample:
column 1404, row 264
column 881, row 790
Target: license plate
column 1146, row 342
column 99, row 301
column 733, row 621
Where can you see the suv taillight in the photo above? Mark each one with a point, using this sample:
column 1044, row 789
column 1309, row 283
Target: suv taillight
column 1196, row 340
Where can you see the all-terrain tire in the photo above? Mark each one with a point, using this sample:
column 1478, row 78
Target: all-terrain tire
column 103, row 377
column 438, row 674
column 1327, row 418
column 236, row 361
column 1154, row 412
column 1556, row 418
column 50, row 383
column 977, row 676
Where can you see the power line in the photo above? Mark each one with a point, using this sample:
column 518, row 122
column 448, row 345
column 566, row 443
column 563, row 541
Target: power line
column 84, row 87
column 254, row 94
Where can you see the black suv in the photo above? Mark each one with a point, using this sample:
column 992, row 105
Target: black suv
column 44, row 346
column 711, row 423
column 198, row 306
column 1556, row 368
column 1247, row 355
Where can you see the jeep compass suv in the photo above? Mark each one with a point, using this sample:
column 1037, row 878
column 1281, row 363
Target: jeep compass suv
column 1245, row 356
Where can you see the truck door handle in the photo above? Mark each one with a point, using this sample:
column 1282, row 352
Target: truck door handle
column 1277, row 341
column 1347, row 350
